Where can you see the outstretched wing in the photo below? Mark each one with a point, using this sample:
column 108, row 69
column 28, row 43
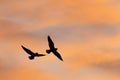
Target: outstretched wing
column 27, row 50
column 58, row 55
column 51, row 44
column 40, row 55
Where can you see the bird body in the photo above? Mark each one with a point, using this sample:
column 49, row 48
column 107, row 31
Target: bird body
column 53, row 49
column 32, row 54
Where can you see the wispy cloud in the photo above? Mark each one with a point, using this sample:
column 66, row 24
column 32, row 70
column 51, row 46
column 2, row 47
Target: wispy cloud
column 86, row 33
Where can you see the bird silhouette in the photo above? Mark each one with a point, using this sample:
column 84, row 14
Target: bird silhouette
column 32, row 54
column 53, row 49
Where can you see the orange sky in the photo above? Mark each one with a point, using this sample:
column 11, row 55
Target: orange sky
column 87, row 35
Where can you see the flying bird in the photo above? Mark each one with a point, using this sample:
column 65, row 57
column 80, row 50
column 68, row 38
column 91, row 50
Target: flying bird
column 53, row 49
column 32, row 54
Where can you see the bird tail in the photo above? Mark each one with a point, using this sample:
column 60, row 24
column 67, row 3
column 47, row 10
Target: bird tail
column 48, row 51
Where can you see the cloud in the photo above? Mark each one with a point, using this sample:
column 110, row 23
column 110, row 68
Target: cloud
column 25, row 73
column 112, row 66
column 94, row 74
column 79, row 33
column 86, row 33
column 43, row 13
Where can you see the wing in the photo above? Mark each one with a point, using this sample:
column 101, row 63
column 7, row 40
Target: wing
column 51, row 44
column 58, row 55
column 27, row 50
column 41, row 55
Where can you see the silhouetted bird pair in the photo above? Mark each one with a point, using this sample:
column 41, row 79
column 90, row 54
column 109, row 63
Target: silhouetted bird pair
column 52, row 49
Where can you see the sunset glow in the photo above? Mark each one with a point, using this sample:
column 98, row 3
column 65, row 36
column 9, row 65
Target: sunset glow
column 86, row 33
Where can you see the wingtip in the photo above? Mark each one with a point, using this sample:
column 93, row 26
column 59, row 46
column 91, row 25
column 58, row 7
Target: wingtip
column 43, row 55
column 48, row 36
column 61, row 59
column 22, row 46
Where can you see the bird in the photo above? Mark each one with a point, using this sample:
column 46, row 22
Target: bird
column 32, row 54
column 53, row 49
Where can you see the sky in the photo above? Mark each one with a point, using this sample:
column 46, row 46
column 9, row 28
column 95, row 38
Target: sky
column 86, row 33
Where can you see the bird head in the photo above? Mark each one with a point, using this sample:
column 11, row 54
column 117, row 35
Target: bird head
column 31, row 57
column 56, row 48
